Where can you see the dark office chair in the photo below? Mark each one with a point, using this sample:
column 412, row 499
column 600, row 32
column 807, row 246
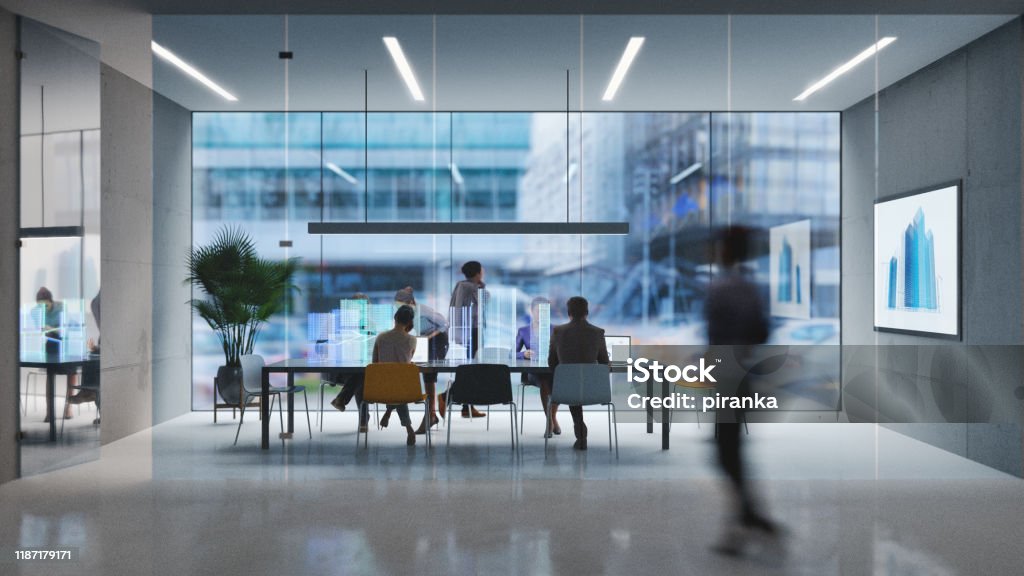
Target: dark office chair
column 88, row 390
column 584, row 385
column 252, row 377
column 483, row 385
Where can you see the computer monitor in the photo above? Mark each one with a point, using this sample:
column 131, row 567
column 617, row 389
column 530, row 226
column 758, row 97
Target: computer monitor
column 618, row 348
column 422, row 354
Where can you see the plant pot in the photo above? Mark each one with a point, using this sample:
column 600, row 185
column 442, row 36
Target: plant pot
column 229, row 384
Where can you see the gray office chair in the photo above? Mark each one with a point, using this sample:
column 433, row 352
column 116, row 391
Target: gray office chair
column 252, row 376
column 584, row 385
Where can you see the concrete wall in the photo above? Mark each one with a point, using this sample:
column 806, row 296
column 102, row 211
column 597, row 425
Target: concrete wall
column 9, row 371
column 172, row 237
column 123, row 31
column 957, row 119
column 127, row 255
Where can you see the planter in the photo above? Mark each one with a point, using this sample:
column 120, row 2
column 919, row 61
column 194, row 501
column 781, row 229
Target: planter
column 229, row 384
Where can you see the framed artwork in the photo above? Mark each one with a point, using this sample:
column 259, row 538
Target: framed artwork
column 789, row 275
column 917, row 262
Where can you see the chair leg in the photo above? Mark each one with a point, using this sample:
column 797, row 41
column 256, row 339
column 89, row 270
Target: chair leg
column 547, row 416
column 448, row 423
column 615, row 420
column 745, row 428
column 610, row 426
column 426, row 429
column 321, row 421
column 522, row 404
column 512, row 415
column 488, row 419
column 308, row 425
column 359, row 417
column 240, row 420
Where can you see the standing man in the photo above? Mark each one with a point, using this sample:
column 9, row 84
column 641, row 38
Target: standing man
column 577, row 342
column 465, row 308
column 736, row 318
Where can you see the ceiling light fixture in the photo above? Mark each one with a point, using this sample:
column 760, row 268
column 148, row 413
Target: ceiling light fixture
column 338, row 170
column 403, row 67
column 188, row 69
column 682, row 175
column 624, row 63
column 457, row 174
column 871, row 51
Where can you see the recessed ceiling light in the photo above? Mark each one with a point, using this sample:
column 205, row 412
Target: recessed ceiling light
column 188, row 69
column 620, row 71
column 874, row 48
column 403, row 67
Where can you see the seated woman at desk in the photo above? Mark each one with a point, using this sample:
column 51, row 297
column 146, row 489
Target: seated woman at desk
column 52, row 328
column 525, row 350
column 397, row 345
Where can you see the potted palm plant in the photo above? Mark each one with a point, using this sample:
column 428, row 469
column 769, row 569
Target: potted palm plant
column 237, row 293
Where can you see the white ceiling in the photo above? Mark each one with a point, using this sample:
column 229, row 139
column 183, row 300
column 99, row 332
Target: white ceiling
column 520, row 62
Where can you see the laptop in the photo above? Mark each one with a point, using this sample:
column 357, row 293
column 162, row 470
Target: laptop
column 618, row 348
column 422, row 354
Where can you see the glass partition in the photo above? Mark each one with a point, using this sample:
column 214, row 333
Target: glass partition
column 675, row 177
column 60, row 248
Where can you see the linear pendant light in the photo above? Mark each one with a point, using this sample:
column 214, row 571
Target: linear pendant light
column 846, row 67
column 403, row 67
column 187, row 68
column 632, row 48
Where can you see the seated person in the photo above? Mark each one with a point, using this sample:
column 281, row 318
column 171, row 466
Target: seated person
column 397, row 345
column 577, row 342
column 434, row 327
column 52, row 329
column 525, row 351
column 350, row 384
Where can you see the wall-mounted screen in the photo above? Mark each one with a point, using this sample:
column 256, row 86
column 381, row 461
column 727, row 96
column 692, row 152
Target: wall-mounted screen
column 917, row 262
column 789, row 274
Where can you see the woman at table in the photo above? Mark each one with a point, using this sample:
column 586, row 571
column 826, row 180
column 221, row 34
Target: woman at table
column 53, row 310
column 433, row 326
column 526, row 350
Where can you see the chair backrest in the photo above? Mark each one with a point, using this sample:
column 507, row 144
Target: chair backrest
column 495, row 355
column 581, row 384
column 252, row 372
column 392, row 383
column 482, row 384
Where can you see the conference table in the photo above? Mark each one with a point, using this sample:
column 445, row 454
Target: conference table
column 294, row 366
column 55, row 366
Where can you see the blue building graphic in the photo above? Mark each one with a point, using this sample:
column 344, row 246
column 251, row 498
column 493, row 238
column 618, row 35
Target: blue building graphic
column 789, row 275
column 912, row 279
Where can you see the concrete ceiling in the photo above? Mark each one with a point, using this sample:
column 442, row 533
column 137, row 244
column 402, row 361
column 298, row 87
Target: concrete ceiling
column 520, row 62
column 577, row 6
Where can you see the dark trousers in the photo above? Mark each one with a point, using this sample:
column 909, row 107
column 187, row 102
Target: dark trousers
column 729, row 440
column 353, row 386
column 578, row 425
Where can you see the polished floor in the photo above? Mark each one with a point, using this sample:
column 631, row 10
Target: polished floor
column 181, row 499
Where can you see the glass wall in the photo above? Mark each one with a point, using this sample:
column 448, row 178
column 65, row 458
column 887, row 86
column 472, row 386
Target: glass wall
column 60, row 248
column 675, row 177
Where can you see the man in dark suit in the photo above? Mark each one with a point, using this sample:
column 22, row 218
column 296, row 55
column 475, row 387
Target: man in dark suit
column 577, row 342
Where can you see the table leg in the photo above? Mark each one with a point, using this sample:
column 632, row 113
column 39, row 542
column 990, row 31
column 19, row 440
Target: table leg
column 665, row 416
column 265, row 411
column 650, row 409
column 51, row 393
column 291, row 404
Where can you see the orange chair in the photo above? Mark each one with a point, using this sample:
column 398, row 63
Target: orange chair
column 392, row 383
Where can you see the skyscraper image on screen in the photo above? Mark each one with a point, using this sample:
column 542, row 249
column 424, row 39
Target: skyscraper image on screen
column 917, row 262
column 789, row 266
column 789, row 275
column 912, row 282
